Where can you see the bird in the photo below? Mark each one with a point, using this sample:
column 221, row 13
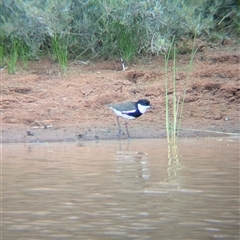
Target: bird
column 129, row 110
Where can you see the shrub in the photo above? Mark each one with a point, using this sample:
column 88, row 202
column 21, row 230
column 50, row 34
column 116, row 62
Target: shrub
column 109, row 28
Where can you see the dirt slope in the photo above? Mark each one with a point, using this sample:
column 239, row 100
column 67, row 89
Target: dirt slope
column 41, row 105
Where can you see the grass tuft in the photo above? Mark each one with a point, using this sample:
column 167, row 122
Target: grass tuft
column 176, row 111
column 10, row 51
column 60, row 52
column 126, row 42
column 12, row 58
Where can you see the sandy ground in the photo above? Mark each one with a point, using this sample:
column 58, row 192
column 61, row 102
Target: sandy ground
column 41, row 105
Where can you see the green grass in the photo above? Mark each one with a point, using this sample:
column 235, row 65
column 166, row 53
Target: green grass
column 126, row 42
column 173, row 123
column 23, row 52
column 60, row 52
column 189, row 70
column 2, row 59
column 11, row 51
column 106, row 28
column 2, row 53
column 170, row 123
column 12, row 58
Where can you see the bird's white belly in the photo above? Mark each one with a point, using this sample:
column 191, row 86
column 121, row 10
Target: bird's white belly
column 120, row 114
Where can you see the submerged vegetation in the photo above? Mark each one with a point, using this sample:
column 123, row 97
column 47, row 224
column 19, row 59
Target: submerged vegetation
column 76, row 29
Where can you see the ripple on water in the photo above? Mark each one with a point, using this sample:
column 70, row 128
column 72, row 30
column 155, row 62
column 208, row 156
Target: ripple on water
column 121, row 190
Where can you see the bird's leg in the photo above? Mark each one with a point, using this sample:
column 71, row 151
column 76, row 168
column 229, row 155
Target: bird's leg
column 119, row 128
column 126, row 125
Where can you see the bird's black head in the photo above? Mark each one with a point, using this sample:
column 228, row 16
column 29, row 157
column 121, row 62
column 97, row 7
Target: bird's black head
column 144, row 102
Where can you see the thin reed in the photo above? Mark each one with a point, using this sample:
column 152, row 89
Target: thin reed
column 173, row 123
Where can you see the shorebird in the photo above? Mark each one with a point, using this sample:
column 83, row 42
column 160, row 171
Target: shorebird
column 129, row 110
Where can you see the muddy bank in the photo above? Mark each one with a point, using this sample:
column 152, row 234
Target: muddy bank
column 25, row 134
column 40, row 105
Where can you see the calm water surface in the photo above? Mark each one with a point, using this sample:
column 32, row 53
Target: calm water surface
column 121, row 190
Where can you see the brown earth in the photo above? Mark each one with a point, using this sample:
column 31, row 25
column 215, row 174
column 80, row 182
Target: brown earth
column 40, row 105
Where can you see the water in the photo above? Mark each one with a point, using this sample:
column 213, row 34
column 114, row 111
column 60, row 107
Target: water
column 121, row 190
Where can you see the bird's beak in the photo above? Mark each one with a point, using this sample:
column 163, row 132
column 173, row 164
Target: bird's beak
column 151, row 107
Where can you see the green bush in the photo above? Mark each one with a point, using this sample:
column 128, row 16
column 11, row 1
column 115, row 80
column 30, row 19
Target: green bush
column 110, row 28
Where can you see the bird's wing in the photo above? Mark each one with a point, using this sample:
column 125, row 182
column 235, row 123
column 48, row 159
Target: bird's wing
column 121, row 107
column 129, row 111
